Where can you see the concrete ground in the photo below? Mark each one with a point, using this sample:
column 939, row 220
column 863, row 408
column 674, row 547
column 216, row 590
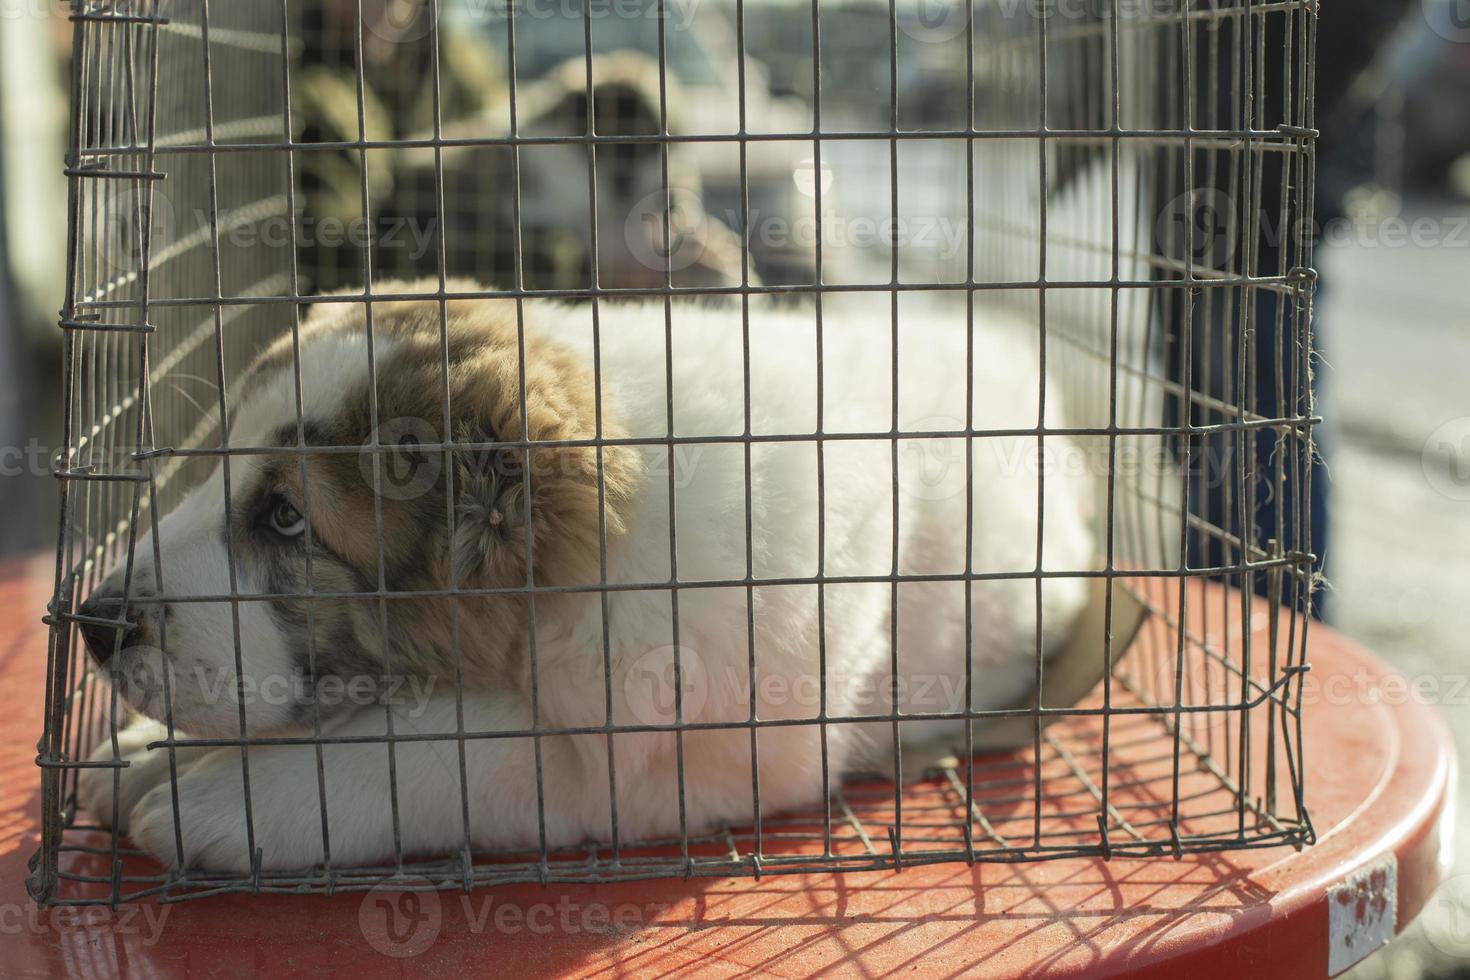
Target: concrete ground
column 1395, row 330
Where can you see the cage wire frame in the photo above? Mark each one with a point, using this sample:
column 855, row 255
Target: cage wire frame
column 1079, row 126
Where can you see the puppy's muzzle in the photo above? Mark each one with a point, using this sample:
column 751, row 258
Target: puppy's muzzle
column 102, row 625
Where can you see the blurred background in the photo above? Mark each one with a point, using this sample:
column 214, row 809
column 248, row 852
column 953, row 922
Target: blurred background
column 1393, row 317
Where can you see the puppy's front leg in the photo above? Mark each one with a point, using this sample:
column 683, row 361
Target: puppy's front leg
column 285, row 812
column 146, row 769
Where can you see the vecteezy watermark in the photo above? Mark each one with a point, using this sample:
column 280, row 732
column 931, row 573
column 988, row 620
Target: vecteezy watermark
column 938, row 21
column 403, row 919
column 35, row 9
column 1446, row 919
column 1207, row 226
column 654, row 683
column 673, row 230
column 137, row 223
column 411, row 469
column 137, row 675
column 144, row 919
column 1392, row 690
column 410, row 21
column 1210, row 698
column 666, row 684
column 1450, row 19
column 32, row 459
column 675, row 245
column 38, row 459
column 932, row 468
column 1201, row 224
column 1446, row 458
column 408, row 457
column 1396, row 231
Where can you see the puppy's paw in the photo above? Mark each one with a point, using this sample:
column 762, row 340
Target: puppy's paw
column 214, row 829
column 144, row 770
column 209, row 829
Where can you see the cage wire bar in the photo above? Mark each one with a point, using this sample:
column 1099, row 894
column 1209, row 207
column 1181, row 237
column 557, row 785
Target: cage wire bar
column 1129, row 174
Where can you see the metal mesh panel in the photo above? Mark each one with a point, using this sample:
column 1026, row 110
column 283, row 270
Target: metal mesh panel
column 1125, row 175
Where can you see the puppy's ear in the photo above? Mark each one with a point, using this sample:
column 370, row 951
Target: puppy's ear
column 491, row 507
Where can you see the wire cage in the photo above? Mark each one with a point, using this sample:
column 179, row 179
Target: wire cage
column 1132, row 177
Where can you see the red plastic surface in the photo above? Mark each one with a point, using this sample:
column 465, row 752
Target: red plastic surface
column 1378, row 778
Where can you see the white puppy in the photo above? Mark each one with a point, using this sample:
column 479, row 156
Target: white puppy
column 589, row 491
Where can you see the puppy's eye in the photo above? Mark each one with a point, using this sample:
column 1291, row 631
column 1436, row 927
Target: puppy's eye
column 285, row 519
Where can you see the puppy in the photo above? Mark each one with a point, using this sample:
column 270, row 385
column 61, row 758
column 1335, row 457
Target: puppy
column 443, row 614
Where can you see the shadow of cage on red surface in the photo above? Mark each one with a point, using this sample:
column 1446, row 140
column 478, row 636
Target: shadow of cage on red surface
column 1211, row 914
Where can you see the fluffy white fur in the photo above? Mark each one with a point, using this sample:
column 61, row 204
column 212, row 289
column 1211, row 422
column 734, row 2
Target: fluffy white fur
column 855, row 482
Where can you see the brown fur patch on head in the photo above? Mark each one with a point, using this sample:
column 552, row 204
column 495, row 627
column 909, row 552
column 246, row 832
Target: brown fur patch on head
column 483, row 515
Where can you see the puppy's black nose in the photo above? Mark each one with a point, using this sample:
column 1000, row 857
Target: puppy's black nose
column 102, row 638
